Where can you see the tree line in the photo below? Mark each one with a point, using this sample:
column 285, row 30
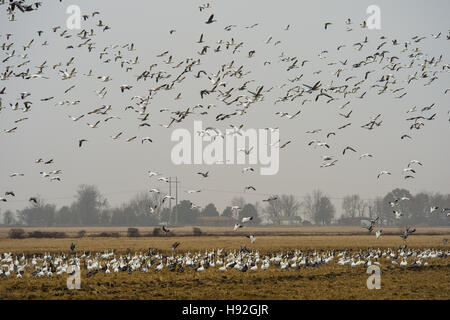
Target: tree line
column 91, row 208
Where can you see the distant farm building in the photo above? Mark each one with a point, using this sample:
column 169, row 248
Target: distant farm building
column 216, row 221
column 354, row 221
column 287, row 221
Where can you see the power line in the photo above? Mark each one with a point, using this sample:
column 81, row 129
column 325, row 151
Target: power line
column 178, row 185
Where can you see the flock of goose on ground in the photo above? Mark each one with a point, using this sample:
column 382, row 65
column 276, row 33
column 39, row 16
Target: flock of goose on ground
column 48, row 265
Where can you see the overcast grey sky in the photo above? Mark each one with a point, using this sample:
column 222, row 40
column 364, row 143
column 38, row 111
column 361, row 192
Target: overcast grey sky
column 120, row 169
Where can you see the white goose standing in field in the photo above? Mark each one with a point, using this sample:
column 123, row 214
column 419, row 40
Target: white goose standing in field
column 200, row 269
column 265, row 265
column 159, row 267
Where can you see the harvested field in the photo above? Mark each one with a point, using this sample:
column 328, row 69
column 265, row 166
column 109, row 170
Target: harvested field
column 329, row 281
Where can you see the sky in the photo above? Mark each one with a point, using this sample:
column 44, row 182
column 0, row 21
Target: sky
column 120, row 169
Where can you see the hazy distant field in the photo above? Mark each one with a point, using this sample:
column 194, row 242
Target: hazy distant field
column 325, row 282
column 259, row 230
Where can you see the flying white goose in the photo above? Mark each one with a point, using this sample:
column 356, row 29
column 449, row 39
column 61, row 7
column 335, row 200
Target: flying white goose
column 272, row 198
column 378, row 233
column 203, row 174
column 10, row 130
column 111, row 117
column 193, row 191
column 167, row 197
column 117, row 136
column 193, row 206
column 80, row 142
column 329, row 164
column 153, row 173
column 248, row 169
column 164, row 228
column 124, row 87
column 365, row 155
column 414, row 162
column 394, row 203
column 76, row 118
column 433, row 209
column 247, row 152
column 348, row 148
column 105, row 78
column 398, row 214
column 146, row 139
column 94, row 125
column 382, row 173
column 16, row 174
column 319, row 144
column 251, row 237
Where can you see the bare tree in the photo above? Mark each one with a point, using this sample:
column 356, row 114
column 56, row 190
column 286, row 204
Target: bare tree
column 375, row 207
column 8, row 217
column 284, row 206
column 318, row 207
column 273, row 211
column 238, row 201
column 289, row 205
column 354, row 206
column 38, row 214
column 89, row 205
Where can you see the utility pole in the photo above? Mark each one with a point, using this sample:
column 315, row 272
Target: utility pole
column 176, row 200
column 170, row 193
column 176, row 197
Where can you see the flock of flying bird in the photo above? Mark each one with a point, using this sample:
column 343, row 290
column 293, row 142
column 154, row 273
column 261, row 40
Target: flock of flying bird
column 389, row 69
